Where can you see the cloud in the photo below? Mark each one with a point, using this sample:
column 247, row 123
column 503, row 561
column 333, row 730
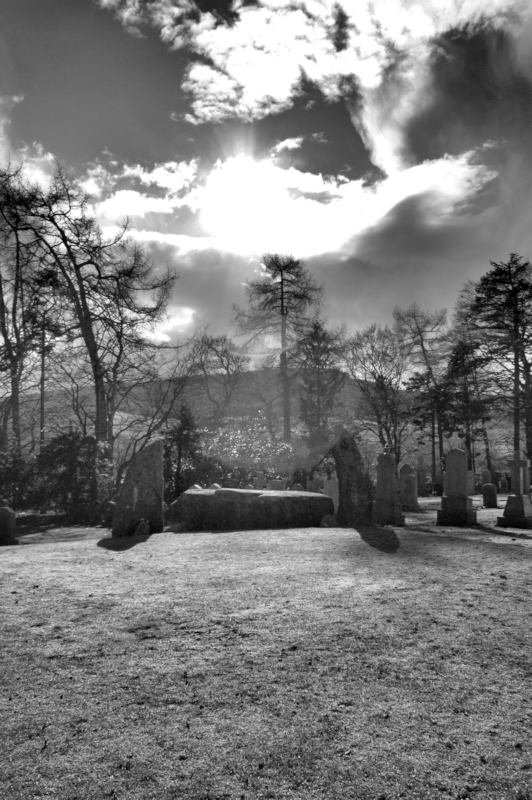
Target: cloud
column 288, row 144
column 378, row 55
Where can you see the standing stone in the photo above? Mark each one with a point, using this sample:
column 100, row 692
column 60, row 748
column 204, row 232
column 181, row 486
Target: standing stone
column 489, row 495
column 439, row 483
column 355, row 488
column 486, row 477
column 330, row 488
column 261, row 482
column 141, row 495
column 7, row 524
column 504, row 486
column 456, row 506
column 386, row 509
column 470, row 482
column 518, row 509
column 422, row 477
column 408, row 488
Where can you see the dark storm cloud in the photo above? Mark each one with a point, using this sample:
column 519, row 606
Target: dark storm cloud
column 208, row 281
column 476, row 93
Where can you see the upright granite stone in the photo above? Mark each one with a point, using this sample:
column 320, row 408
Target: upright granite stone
column 141, row 495
column 330, row 488
column 504, row 486
column 470, row 482
column 8, row 521
column 408, row 488
column 246, row 509
column 355, row 488
column 260, row 480
column 456, row 506
column 489, row 495
column 386, row 508
column 518, row 509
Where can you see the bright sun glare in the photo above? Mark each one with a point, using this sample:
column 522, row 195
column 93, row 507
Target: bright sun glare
column 246, row 206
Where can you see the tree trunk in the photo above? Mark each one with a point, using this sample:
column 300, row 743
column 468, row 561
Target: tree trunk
column 285, row 380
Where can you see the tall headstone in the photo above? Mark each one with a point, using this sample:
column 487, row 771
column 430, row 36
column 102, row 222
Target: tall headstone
column 486, row 477
column 518, row 509
column 386, row 509
column 7, row 524
column 408, row 488
column 141, row 495
column 456, row 506
column 261, row 482
column 330, row 488
column 421, row 477
column 504, row 485
column 355, row 488
column 470, row 482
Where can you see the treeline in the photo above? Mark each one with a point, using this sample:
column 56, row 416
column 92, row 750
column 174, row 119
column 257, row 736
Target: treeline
column 85, row 382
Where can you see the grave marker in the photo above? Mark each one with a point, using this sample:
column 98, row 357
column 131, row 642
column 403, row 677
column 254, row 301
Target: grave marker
column 518, row 509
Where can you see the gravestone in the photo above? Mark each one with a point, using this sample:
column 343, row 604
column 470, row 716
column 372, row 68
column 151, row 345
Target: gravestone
column 518, row 509
column 471, row 482
column 386, row 509
column 330, row 488
column 486, row 477
column 456, row 506
column 504, row 486
column 141, row 495
column 495, row 478
column 408, row 488
column 260, row 480
column 8, row 521
column 355, row 488
column 489, row 495
column 421, row 477
column 296, row 487
column 276, row 486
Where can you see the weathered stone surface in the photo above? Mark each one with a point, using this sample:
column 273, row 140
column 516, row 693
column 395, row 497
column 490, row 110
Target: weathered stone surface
column 386, row 509
column 408, row 488
column 330, row 488
column 518, row 509
column 141, row 495
column 486, row 477
column 355, row 488
column 517, row 512
column 456, row 506
column 489, row 495
column 246, row 509
column 7, row 525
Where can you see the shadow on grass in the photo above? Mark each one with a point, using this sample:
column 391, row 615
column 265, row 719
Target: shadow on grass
column 381, row 538
column 123, row 543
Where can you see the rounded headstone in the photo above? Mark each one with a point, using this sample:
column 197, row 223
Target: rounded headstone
column 489, row 495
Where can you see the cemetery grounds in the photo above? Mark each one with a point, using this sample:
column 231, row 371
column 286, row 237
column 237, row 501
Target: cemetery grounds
column 312, row 663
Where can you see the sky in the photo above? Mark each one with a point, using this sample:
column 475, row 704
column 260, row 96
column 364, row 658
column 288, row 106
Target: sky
column 387, row 143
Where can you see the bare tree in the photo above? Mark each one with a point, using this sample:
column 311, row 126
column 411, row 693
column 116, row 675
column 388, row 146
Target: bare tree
column 279, row 302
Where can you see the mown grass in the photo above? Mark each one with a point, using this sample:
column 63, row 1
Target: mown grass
column 309, row 664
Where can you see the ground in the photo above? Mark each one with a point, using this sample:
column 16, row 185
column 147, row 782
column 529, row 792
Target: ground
column 307, row 663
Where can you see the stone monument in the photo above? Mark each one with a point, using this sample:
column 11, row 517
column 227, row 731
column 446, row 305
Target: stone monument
column 518, row 509
column 456, row 506
column 386, row 509
column 355, row 488
column 141, row 495
column 408, row 488
column 489, row 495
column 7, row 524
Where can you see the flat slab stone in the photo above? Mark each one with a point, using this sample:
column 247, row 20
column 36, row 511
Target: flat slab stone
column 247, row 509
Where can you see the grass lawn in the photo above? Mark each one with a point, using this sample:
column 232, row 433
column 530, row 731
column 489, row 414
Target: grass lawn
column 307, row 663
